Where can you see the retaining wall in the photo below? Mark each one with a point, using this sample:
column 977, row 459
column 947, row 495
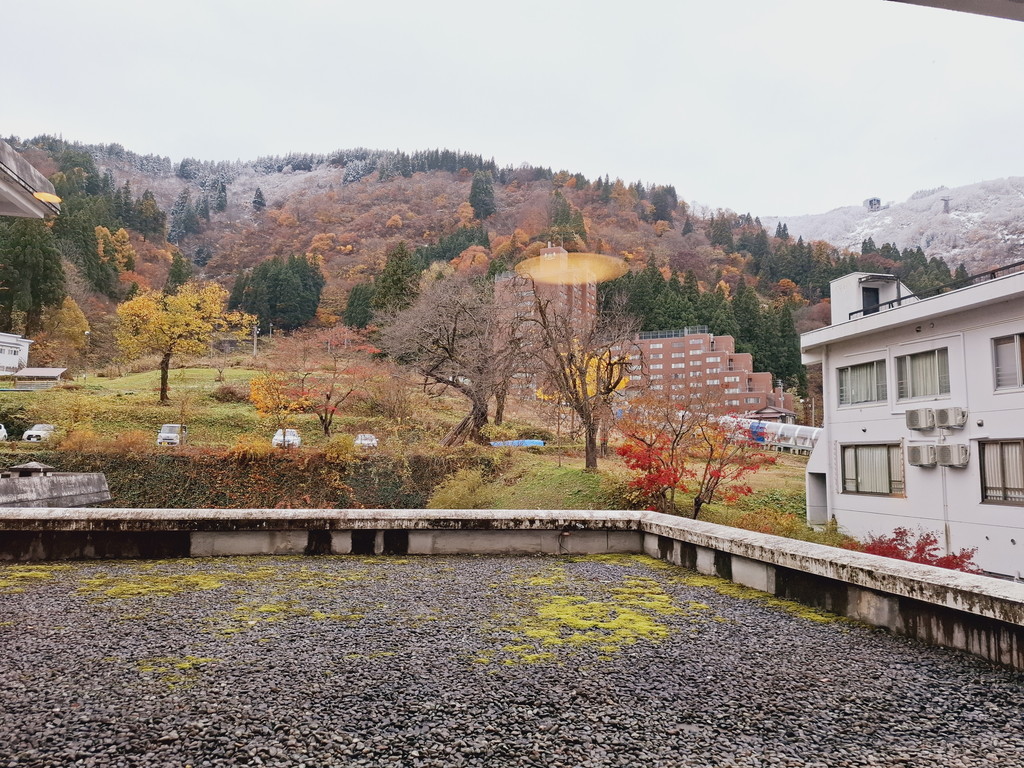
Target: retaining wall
column 981, row 615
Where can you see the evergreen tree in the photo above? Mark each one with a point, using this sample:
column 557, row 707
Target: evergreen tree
column 868, row 246
column 720, row 233
column 665, row 201
column 645, row 295
column 782, row 231
column 396, row 288
column 359, row 309
column 687, row 226
column 179, row 274
column 31, row 274
column 221, row 203
column 184, row 219
column 258, row 201
column 282, row 292
column 150, row 221
column 749, row 321
column 481, row 195
column 203, row 208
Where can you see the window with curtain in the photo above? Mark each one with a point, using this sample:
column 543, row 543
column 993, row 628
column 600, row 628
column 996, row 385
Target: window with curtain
column 924, row 374
column 863, row 383
column 876, row 469
column 1008, row 362
column 1002, row 471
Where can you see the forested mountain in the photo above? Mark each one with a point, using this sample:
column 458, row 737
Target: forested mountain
column 310, row 239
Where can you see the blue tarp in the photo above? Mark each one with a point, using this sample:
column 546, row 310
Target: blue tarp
column 517, row 443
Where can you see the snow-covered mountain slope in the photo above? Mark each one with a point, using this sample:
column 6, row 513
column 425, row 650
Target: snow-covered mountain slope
column 983, row 228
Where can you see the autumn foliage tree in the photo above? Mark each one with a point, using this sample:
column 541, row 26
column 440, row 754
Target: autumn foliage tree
column 687, row 447
column 179, row 324
column 318, row 372
column 277, row 396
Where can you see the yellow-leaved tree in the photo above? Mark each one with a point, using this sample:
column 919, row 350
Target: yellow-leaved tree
column 183, row 323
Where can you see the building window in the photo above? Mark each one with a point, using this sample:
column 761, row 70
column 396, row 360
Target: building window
column 714, row 370
column 752, row 400
column 657, row 367
column 657, row 376
column 656, row 357
column 1008, row 362
column 925, row 374
column 873, row 469
column 713, row 382
column 655, row 346
column 714, row 359
column 862, row 383
column 678, row 354
column 678, row 365
column 732, row 402
column 1002, row 471
column 732, row 379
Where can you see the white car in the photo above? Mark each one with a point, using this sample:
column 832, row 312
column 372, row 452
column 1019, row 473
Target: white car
column 39, row 432
column 286, row 438
column 172, row 434
column 366, row 440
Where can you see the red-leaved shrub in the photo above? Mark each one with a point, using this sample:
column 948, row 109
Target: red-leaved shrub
column 924, row 549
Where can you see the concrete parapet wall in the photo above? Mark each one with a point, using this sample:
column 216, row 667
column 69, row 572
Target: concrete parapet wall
column 71, row 489
column 981, row 615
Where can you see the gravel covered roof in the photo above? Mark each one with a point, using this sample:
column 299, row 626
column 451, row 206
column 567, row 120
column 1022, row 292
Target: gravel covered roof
column 469, row 661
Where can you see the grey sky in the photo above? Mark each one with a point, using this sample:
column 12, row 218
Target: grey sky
column 767, row 106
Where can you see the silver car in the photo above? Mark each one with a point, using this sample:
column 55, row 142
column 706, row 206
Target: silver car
column 286, row 438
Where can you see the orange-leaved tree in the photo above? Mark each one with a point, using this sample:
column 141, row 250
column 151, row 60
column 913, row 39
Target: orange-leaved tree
column 277, row 396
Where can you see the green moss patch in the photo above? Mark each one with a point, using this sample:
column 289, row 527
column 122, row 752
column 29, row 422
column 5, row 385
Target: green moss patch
column 732, row 589
column 14, row 578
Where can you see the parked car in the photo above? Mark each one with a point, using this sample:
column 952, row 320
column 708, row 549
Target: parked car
column 3, row 432
column 39, row 432
column 172, row 434
column 366, row 440
column 286, row 438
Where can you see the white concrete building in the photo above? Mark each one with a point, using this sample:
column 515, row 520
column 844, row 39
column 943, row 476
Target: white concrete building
column 13, row 353
column 924, row 414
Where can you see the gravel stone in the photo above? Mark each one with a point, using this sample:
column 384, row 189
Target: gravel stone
column 450, row 661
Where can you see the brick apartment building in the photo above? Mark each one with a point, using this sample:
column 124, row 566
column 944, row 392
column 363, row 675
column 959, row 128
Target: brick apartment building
column 692, row 360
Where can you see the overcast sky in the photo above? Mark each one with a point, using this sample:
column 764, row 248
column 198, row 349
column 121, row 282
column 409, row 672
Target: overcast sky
column 768, row 106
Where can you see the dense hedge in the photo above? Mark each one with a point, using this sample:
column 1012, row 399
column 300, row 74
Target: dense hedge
column 280, row 480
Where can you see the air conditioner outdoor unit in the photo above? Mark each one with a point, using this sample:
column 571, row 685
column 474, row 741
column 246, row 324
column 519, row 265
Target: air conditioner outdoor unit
column 921, row 455
column 953, row 454
column 950, row 417
column 921, row 418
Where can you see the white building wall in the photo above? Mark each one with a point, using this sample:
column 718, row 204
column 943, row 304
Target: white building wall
column 13, row 353
column 946, row 500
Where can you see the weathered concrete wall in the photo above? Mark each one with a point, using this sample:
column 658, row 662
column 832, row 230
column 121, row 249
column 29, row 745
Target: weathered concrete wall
column 67, row 489
column 981, row 615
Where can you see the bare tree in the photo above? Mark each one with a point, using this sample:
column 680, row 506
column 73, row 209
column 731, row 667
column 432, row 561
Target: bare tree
column 453, row 336
column 585, row 358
